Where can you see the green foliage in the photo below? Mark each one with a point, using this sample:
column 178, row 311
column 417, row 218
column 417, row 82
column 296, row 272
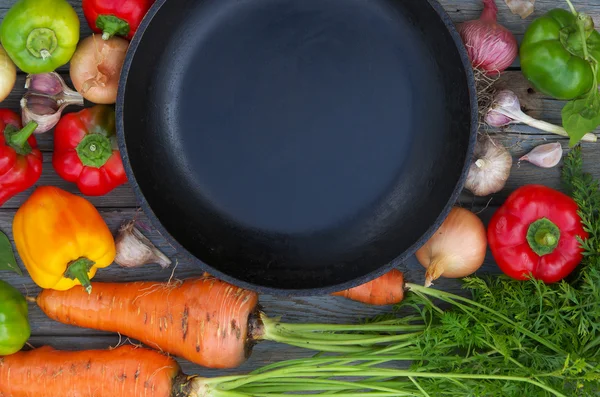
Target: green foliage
column 549, row 333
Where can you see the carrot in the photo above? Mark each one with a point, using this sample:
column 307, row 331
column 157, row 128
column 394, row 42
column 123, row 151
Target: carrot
column 126, row 371
column 129, row 371
column 385, row 290
column 205, row 320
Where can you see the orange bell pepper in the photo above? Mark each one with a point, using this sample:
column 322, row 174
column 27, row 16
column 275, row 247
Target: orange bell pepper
column 62, row 239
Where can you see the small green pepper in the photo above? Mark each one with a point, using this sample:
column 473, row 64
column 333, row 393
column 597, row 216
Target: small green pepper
column 14, row 323
column 552, row 54
column 40, row 35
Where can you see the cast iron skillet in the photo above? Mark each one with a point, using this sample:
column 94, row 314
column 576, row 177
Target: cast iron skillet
column 296, row 146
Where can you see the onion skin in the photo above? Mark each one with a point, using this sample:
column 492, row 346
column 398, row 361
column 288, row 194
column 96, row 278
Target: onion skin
column 96, row 66
column 8, row 74
column 490, row 46
column 457, row 249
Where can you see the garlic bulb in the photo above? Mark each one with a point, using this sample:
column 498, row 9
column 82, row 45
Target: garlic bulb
column 506, row 109
column 490, row 168
column 135, row 250
column 46, row 98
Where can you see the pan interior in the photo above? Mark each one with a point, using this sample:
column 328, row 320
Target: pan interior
column 296, row 144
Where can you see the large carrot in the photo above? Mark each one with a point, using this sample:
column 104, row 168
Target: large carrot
column 129, row 371
column 385, row 290
column 126, row 371
column 202, row 320
column 205, row 320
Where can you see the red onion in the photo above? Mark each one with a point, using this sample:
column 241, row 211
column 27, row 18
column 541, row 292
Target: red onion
column 490, row 46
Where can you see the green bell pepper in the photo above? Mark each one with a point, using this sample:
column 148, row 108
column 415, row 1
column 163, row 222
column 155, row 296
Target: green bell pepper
column 560, row 56
column 40, row 35
column 552, row 57
column 14, row 323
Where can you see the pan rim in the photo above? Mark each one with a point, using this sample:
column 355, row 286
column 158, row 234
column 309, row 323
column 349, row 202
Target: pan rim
column 204, row 267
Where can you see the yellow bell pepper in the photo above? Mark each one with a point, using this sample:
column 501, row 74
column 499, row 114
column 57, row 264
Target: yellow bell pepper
column 62, row 239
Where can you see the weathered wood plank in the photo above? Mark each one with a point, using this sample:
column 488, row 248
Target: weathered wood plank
column 464, row 10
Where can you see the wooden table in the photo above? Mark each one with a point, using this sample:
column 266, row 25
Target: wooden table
column 121, row 205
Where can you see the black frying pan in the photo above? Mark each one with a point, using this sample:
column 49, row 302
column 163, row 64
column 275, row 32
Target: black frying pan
column 297, row 146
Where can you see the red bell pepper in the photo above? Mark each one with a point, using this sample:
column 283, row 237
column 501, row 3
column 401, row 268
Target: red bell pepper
column 20, row 159
column 534, row 233
column 85, row 150
column 115, row 17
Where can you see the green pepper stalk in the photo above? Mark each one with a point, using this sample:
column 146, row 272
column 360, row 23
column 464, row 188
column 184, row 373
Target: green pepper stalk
column 40, row 35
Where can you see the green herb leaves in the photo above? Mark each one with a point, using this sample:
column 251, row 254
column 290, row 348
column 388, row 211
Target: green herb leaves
column 7, row 258
column 512, row 330
column 581, row 116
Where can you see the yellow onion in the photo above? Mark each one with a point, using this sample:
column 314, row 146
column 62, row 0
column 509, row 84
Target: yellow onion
column 457, row 249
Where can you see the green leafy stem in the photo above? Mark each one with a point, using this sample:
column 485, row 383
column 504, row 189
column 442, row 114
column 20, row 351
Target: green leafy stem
column 582, row 115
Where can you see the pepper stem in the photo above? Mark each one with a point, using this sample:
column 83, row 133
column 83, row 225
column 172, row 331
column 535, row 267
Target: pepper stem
column 78, row 269
column 94, row 150
column 573, row 10
column 111, row 26
column 41, row 43
column 17, row 139
column 543, row 236
column 582, row 21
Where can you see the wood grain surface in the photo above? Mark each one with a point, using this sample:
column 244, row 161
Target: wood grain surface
column 120, row 205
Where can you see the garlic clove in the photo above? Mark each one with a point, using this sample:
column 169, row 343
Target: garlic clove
column 495, row 119
column 44, row 83
column 490, row 168
column 135, row 250
column 546, row 156
column 46, row 97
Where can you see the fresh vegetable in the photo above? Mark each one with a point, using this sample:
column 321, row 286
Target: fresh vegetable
column 491, row 47
column 129, row 371
column 546, row 156
column 552, row 54
column 85, row 150
column 559, row 56
column 522, row 8
column 8, row 74
column 490, row 167
column 96, row 66
column 506, row 109
column 135, row 250
column 20, row 158
column 46, row 97
column 62, row 239
column 384, row 290
column 204, row 320
column 457, row 249
column 14, row 321
column 40, row 35
column 535, row 233
column 115, row 17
